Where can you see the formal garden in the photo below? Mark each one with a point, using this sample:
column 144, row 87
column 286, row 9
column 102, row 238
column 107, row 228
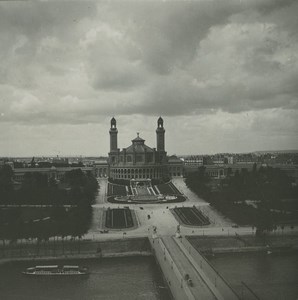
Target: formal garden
column 191, row 216
column 118, row 218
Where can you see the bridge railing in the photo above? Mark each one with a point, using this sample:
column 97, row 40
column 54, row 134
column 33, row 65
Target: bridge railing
column 219, row 282
column 179, row 287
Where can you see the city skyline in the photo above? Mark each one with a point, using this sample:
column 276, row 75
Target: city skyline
column 223, row 75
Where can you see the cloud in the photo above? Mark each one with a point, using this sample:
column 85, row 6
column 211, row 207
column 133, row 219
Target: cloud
column 75, row 63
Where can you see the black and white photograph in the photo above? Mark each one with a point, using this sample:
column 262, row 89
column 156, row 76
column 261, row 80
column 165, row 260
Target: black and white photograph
column 149, row 150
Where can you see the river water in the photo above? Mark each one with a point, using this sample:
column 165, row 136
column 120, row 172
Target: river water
column 110, row 279
column 270, row 277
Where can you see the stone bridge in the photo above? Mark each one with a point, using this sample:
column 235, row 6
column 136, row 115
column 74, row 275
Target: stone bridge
column 188, row 274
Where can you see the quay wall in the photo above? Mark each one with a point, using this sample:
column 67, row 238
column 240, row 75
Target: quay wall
column 209, row 245
column 253, row 249
column 76, row 249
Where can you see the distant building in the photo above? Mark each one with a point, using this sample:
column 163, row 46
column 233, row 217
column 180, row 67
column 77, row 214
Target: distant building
column 101, row 167
column 248, row 158
column 218, row 161
column 60, row 161
column 216, row 171
column 53, row 172
column 192, row 163
column 230, row 160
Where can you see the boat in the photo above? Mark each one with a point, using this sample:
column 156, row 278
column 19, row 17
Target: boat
column 55, row 270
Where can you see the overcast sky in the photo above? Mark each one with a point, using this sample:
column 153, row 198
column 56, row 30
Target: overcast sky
column 222, row 74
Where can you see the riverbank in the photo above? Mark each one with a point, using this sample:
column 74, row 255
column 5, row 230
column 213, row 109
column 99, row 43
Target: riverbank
column 75, row 256
column 76, row 249
column 239, row 244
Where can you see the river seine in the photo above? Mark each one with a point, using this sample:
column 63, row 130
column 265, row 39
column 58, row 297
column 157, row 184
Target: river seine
column 270, row 277
column 109, row 279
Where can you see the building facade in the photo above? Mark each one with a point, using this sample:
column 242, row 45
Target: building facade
column 138, row 161
column 175, row 166
column 53, row 172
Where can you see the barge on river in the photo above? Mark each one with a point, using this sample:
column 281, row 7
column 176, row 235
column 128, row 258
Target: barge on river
column 55, row 270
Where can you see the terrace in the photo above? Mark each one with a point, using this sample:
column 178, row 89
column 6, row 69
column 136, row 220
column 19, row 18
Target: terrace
column 143, row 192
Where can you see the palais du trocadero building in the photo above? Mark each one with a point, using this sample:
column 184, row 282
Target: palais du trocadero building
column 139, row 161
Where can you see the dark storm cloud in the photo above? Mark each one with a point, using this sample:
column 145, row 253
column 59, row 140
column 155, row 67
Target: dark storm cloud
column 67, row 63
column 169, row 33
column 38, row 19
column 188, row 71
column 149, row 57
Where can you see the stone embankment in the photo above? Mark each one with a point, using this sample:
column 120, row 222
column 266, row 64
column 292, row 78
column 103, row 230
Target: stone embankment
column 239, row 244
column 75, row 249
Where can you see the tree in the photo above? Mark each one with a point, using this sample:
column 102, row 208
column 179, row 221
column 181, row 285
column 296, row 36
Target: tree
column 197, row 181
column 264, row 220
column 6, row 184
column 229, row 172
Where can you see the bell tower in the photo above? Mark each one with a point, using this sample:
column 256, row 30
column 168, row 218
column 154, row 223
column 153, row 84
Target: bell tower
column 113, row 136
column 160, row 135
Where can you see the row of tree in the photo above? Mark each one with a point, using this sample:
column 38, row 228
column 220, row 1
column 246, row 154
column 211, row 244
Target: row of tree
column 75, row 189
column 267, row 186
column 60, row 222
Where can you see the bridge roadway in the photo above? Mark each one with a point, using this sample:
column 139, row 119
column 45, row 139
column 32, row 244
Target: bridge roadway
column 176, row 261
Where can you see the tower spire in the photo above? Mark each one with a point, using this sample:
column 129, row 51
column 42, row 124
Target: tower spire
column 113, row 135
column 160, row 135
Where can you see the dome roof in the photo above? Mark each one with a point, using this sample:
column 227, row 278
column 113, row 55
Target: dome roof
column 138, row 139
column 138, row 146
